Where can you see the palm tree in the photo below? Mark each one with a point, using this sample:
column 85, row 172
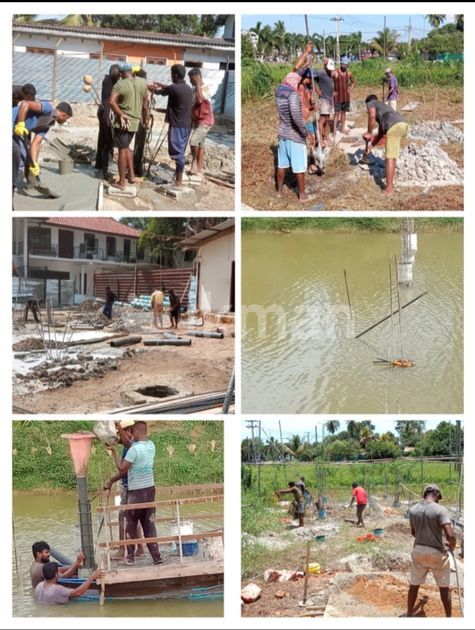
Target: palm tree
column 353, row 429
column 266, row 42
column 25, row 19
column 279, row 36
column 458, row 19
column 366, row 436
column 80, row 20
column 332, row 426
column 388, row 35
column 436, row 20
column 294, row 443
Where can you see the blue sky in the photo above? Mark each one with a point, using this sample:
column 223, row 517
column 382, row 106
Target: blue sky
column 300, row 426
column 369, row 25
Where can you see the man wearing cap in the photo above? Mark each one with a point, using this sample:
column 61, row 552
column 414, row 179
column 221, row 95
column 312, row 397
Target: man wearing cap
column 393, row 89
column 306, row 94
column 126, row 438
column 33, row 117
column 344, row 84
column 178, row 116
column 325, row 91
column 429, row 523
column 390, row 125
column 128, row 100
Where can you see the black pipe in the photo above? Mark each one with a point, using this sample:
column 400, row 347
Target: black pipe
column 167, row 342
column 124, row 341
column 391, row 314
column 205, row 333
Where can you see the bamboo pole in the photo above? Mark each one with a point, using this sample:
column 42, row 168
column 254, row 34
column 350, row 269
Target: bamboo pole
column 103, row 580
column 390, row 315
column 399, row 306
column 435, row 104
column 305, row 583
column 391, row 306
column 348, row 293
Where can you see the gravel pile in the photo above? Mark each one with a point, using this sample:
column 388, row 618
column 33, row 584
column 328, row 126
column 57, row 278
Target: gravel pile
column 437, row 131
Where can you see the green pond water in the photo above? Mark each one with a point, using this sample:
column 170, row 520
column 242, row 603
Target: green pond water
column 299, row 352
column 54, row 518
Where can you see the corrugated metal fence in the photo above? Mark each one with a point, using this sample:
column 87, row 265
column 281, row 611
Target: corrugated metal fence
column 126, row 283
column 39, row 70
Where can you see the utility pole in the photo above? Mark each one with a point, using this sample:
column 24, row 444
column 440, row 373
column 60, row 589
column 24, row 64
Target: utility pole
column 384, row 39
column 324, row 55
column 409, row 35
column 308, row 437
column 338, row 19
column 252, row 424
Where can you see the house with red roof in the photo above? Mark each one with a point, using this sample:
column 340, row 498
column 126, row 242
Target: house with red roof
column 69, row 250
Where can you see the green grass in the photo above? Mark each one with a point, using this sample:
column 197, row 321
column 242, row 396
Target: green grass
column 364, row 224
column 259, row 80
column 337, row 479
column 41, row 460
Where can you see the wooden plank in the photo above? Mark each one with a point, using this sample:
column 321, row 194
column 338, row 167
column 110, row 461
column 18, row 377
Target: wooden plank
column 194, row 517
column 164, row 572
column 163, row 539
column 152, row 504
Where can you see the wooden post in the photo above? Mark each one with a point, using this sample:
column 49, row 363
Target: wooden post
column 225, row 86
column 55, row 70
column 435, row 104
column 103, row 580
column 305, row 583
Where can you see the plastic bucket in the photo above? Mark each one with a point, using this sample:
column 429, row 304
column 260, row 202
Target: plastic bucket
column 322, row 514
column 379, row 531
column 65, row 167
column 105, row 430
column 320, row 538
column 189, row 548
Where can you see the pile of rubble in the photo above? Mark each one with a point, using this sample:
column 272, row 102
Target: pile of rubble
column 437, row 131
column 65, row 372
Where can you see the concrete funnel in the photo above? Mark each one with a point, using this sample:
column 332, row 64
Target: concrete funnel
column 80, row 449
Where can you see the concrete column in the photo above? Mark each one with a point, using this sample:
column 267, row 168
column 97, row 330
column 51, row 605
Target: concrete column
column 25, row 245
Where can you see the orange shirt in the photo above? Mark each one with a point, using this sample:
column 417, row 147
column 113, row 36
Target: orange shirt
column 361, row 496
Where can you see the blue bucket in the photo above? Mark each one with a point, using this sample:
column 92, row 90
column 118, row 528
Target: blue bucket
column 189, row 548
column 379, row 531
column 322, row 514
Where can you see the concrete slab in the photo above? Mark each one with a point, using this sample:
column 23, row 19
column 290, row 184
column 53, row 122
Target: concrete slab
column 173, row 191
column 128, row 191
column 411, row 106
column 77, row 191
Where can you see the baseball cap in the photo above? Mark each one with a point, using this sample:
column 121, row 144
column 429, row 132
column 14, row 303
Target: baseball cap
column 125, row 67
column 125, row 424
column 432, row 487
column 345, row 61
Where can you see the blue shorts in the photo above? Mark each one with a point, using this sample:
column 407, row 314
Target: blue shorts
column 311, row 127
column 177, row 143
column 292, row 155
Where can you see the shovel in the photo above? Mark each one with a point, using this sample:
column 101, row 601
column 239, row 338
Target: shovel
column 35, row 180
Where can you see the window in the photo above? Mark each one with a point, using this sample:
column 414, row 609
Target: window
column 39, row 240
column 90, row 242
column 110, row 246
column 108, row 57
column 40, row 51
column 156, row 61
column 222, row 65
column 193, row 64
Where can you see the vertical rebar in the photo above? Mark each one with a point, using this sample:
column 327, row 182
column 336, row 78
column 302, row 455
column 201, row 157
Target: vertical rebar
column 399, row 306
column 348, row 293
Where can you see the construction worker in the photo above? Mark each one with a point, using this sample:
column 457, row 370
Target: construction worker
column 33, row 117
column 298, row 502
column 104, row 138
column 359, row 493
column 156, row 300
column 393, row 89
column 50, row 592
column 324, row 86
column 429, row 523
column 344, row 83
column 42, row 555
column 174, row 308
column 202, row 117
column 32, row 305
column 110, row 299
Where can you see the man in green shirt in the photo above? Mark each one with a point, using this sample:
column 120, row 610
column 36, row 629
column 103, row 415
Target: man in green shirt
column 129, row 102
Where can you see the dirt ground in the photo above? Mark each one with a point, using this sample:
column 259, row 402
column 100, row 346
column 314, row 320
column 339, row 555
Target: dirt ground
column 205, row 366
column 342, row 187
column 209, row 195
column 356, row 579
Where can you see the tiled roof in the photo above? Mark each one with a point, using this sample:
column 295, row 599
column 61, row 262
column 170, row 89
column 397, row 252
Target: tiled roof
column 105, row 226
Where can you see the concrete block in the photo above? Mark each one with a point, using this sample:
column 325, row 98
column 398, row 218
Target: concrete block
column 172, row 191
column 129, row 191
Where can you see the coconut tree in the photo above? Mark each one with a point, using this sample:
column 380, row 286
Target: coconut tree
column 279, row 36
column 332, row 426
column 458, row 19
column 294, row 443
column 387, row 36
column 266, row 41
column 436, row 20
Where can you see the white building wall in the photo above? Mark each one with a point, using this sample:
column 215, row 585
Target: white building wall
column 216, row 259
column 72, row 46
column 210, row 58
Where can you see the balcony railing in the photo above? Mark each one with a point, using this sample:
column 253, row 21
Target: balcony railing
column 85, row 253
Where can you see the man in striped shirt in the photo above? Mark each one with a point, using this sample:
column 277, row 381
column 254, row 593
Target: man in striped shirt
column 292, row 149
column 138, row 466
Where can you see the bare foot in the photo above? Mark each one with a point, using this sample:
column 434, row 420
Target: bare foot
column 303, row 197
column 118, row 185
column 140, row 551
column 388, row 191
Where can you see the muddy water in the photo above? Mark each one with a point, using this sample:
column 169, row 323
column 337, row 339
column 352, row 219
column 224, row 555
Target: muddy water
column 54, row 518
column 301, row 355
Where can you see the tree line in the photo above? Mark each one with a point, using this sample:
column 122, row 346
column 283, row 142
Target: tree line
column 358, row 440
column 267, row 43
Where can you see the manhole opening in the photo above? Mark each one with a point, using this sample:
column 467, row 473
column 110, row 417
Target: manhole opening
column 157, row 391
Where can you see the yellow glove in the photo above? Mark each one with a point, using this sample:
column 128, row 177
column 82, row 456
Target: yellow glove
column 20, row 129
column 35, row 169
